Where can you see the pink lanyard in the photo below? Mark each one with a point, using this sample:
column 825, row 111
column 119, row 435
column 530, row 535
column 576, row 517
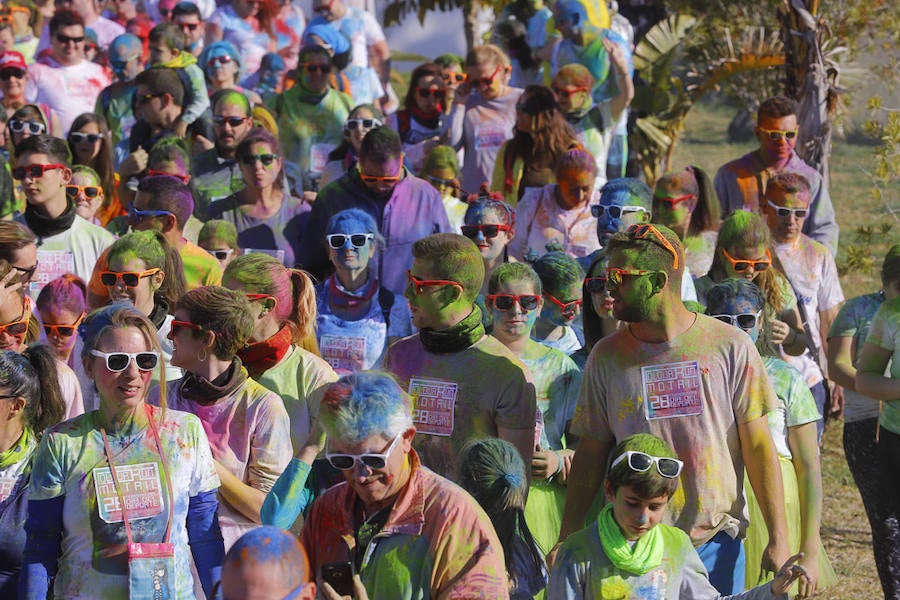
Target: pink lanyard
column 112, row 470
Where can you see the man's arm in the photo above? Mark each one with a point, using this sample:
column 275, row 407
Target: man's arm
column 821, row 224
column 764, row 473
column 585, row 479
column 523, row 440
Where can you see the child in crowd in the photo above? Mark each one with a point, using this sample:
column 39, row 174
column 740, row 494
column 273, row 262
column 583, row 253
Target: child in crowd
column 441, row 169
column 219, row 238
column 628, row 553
column 561, row 277
column 62, row 304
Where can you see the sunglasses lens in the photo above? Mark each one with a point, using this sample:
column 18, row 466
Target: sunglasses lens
column 467, row 230
column 146, row 361
column 337, row 241
column 17, row 328
column 358, row 240
column 596, row 285
column 760, row 266
column 746, row 321
column 490, row 231
column 640, row 461
column 117, row 362
column 267, row 159
column 597, row 210
column 108, row 279
column 368, row 123
column 91, row 192
column 71, row 192
column 66, row 331
column 220, row 254
column 503, row 302
column 341, row 461
column 724, row 319
column 130, row 279
column 528, row 302
column 668, row 467
column 373, row 462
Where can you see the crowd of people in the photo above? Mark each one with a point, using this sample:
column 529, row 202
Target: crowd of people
column 268, row 330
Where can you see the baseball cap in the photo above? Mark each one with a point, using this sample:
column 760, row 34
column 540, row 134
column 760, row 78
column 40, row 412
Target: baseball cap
column 12, row 60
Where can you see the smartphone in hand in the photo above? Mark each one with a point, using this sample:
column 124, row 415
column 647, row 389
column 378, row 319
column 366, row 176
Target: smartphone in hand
column 340, row 577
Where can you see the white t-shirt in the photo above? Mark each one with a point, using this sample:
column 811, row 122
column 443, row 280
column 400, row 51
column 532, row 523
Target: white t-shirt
column 68, row 90
column 811, row 270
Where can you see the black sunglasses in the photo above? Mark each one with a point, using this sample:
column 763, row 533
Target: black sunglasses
column 504, row 302
column 233, row 121
column 488, row 231
column 595, row 285
column 77, row 137
column 7, row 74
column 65, row 39
column 265, row 159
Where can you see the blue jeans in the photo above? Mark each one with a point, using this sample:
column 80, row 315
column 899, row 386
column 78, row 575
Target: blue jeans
column 725, row 562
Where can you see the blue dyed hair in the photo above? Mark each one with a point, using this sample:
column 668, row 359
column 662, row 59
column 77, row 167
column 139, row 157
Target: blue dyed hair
column 328, row 34
column 364, row 404
column 229, row 48
column 354, row 215
column 638, row 191
column 125, row 45
column 274, row 547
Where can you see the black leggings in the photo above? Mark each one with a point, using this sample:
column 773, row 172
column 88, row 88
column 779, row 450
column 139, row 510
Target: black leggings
column 874, row 465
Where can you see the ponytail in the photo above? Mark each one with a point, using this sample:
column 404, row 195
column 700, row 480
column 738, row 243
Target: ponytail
column 302, row 318
column 33, row 376
column 706, row 215
column 174, row 285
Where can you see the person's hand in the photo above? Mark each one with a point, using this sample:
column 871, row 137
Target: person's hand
column 788, row 574
column 462, row 93
column 836, row 408
column 134, row 163
column 201, row 144
column 779, row 331
column 544, row 464
column 775, row 553
column 567, row 456
column 429, row 144
column 10, row 286
column 359, row 591
column 807, row 585
column 616, row 56
column 551, row 556
column 180, row 128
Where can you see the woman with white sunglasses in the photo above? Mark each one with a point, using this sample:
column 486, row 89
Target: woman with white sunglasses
column 358, row 318
column 125, row 475
column 361, row 120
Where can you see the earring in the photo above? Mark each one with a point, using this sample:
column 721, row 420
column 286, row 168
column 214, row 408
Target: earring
column 205, row 355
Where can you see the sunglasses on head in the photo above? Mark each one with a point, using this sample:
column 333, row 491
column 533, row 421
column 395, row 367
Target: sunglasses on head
column 371, row 460
column 7, row 74
column 221, row 254
column 455, row 77
column 116, row 362
column 92, row 138
column 740, row 264
column 505, row 302
column 218, row 60
column 34, row 128
column 129, row 278
column 640, row 462
column 63, row 330
column 65, row 39
column 430, row 93
column 673, row 201
column 89, row 191
column 20, row 326
column 488, row 231
column 255, row 297
column 778, row 134
column 595, row 285
column 614, row 212
column 784, row 211
column 357, row 240
column 34, row 171
column 354, row 124
column 185, row 179
column 419, row 285
column 265, row 159
column 745, row 321
column 233, row 121
column 567, row 309
column 566, row 93
column 642, row 231
column 317, row 68
column 614, row 275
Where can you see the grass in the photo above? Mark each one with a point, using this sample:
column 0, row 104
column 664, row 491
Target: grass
column 863, row 244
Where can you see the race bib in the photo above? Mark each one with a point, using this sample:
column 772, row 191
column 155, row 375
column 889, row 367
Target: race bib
column 489, row 136
column 140, row 488
column 318, row 157
column 672, row 390
column 51, row 264
column 345, row 354
column 7, row 485
column 433, row 402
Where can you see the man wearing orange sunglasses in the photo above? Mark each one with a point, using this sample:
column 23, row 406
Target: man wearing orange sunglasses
column 740, row 184
column 700, row 386
column 405, row 207
column 464, row 384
